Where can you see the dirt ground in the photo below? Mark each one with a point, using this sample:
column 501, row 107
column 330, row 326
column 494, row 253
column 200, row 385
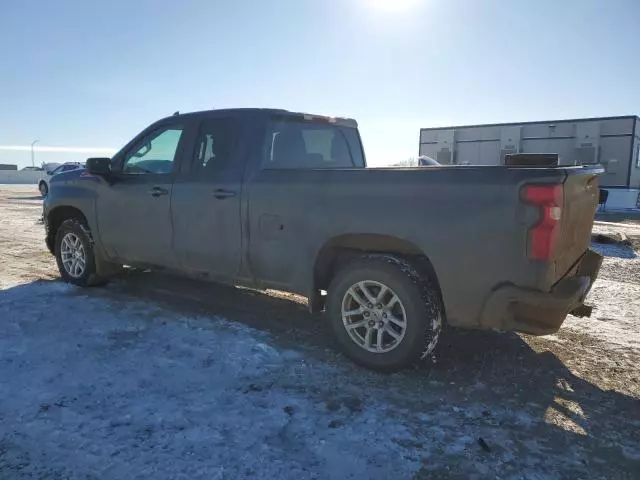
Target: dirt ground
column 154, row 377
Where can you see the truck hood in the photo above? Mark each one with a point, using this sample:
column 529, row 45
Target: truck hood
column 66, row 176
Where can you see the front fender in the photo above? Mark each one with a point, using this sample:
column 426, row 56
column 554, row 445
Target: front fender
column 70, row 191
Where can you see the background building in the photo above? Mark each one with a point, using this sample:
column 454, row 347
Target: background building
column 611, row 141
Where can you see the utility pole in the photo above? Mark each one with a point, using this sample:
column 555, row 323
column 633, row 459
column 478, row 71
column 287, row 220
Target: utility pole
column 33, row 158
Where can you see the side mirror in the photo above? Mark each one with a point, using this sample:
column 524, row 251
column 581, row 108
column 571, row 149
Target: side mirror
column 99, row 166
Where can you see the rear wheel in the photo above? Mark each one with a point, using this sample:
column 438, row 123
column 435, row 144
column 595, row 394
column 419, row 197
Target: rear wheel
column 383, row 314
column 75, row 254
column 44, row 189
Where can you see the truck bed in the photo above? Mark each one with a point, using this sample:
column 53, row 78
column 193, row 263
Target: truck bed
column 468, row 220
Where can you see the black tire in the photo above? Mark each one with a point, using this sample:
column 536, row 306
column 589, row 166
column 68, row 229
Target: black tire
column 89, row 277
column 421, row 301
column 43, row 188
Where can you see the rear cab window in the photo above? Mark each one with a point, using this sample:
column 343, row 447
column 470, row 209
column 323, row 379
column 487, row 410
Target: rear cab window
column 295, row 142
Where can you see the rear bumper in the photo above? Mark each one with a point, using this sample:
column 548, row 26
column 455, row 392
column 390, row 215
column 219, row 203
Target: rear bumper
column 541, row 313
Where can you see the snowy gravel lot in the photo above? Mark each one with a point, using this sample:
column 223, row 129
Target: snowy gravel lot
column 154, row 377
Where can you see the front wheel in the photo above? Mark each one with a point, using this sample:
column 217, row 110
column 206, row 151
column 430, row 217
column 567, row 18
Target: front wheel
column 75, row 254
column 44, row 189
column 383, row 314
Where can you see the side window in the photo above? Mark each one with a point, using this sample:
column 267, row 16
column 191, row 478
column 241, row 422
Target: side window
column 215, row 145
column 155, row 153
column 292, row 143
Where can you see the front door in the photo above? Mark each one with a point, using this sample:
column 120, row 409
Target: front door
column 207, row 233
column 134, row 211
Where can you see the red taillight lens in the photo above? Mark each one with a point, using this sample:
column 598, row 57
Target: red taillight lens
column 543, row 236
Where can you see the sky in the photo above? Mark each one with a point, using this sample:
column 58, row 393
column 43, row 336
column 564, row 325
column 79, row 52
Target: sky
column 85, row 77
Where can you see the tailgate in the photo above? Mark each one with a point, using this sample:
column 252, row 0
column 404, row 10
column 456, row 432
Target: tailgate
column 578, row 212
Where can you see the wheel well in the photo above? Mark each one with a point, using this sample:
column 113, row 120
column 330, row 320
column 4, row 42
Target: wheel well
column 339, row 250
column 55, row 219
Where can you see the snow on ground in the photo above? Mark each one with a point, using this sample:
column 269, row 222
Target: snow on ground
column 616, row 296
column 20, row 230
column 115, row 383
column 117, row 389
column 101, row 388
column 616, row 318
column 612, row 227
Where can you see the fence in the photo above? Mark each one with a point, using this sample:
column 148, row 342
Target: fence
column 20, row 176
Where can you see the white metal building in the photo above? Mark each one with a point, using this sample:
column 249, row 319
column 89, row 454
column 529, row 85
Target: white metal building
column 612, row 141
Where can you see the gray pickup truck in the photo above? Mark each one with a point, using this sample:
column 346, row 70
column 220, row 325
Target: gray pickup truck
column 275, row 199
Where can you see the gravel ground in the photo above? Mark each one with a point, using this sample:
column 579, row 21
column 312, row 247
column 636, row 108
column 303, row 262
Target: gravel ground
column 154, row 377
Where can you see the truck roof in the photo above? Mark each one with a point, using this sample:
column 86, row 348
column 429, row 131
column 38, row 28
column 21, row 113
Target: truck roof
column 343, row 121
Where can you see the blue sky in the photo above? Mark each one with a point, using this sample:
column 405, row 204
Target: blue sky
column 82, row 74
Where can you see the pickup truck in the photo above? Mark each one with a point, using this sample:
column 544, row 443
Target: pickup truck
column 268, row 198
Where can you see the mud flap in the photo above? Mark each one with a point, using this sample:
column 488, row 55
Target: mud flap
column 582, row 311
column 589, row 267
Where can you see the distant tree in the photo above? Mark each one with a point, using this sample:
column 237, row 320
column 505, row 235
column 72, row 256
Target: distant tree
column 422, row 160
column 409, row 162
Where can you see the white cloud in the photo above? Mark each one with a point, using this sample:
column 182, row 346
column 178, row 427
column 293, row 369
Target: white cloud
column 43, row 148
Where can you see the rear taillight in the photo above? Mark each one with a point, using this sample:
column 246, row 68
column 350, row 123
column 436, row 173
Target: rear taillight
column 543, row 236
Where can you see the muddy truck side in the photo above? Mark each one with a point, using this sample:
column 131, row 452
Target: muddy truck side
column 281, row 200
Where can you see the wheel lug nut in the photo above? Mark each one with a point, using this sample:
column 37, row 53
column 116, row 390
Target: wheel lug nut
column 366, row 314
column 370, row 305
column 379, row 306
column 384, row 315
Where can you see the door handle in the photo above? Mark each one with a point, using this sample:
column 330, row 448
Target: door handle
column 157, row 191
column 222, row 194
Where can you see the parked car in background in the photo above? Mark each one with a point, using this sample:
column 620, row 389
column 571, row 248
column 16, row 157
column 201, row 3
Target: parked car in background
column 43, row 184
column 276, row 199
